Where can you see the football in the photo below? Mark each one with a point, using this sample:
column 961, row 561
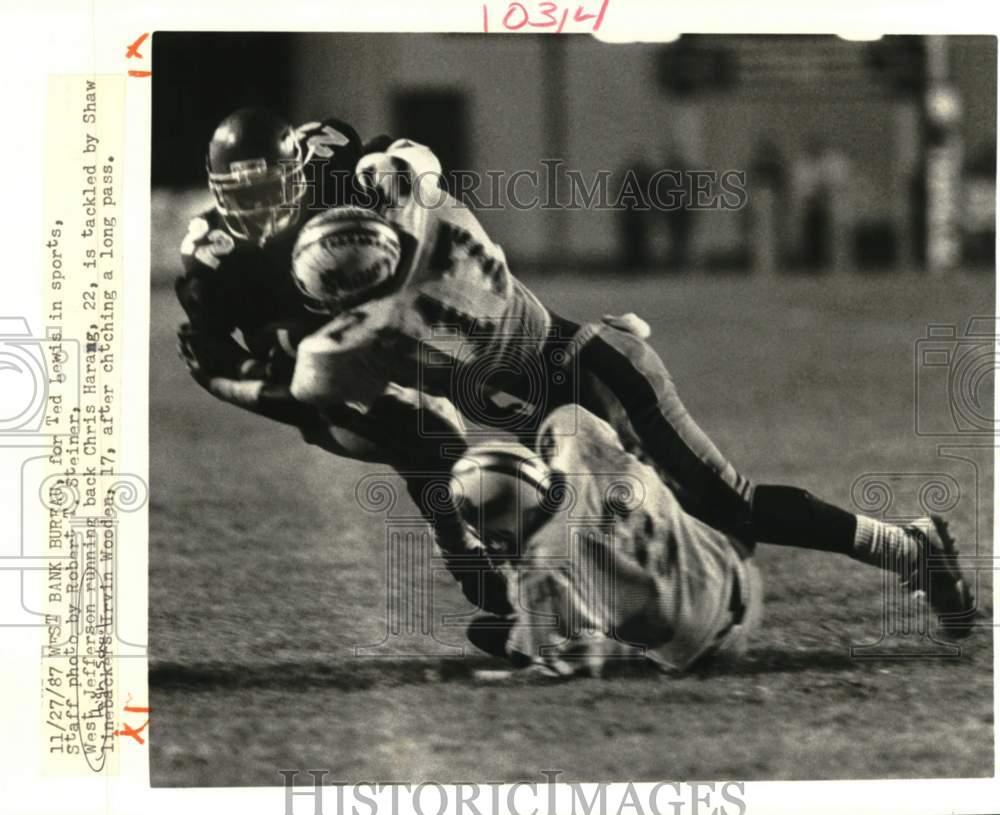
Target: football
column 343, row 255
column 501, row 491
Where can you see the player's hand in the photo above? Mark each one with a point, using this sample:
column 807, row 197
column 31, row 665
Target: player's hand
column 386, row 178
column 279, row 367
column 390, row 176
column 208, row 356
column 186, row 343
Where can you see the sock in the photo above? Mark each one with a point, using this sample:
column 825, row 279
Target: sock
column 789, row 516
column 888, row 546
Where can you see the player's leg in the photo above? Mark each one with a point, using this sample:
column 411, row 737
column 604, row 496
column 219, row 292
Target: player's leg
column 427, row 436
column 464, row 555
column 622, row 379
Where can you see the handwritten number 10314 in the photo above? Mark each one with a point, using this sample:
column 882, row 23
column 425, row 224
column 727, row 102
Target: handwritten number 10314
column 547, row 15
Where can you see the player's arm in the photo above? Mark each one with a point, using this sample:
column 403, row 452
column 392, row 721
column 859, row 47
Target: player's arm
column 206, row 343
column 207, row 335
column 235, row 377
column 353, row 358
column 420, row 435
column 393, row 173
column 269, row 399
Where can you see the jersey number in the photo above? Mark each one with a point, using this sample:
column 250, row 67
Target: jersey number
column 207, row 245
column 320, row 139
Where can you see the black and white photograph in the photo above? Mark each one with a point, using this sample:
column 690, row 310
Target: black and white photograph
column 532, row 408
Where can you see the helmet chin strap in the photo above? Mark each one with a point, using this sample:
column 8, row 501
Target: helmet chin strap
column 267, row 235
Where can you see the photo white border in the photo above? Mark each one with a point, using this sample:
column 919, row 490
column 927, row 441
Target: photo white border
column 65, row 37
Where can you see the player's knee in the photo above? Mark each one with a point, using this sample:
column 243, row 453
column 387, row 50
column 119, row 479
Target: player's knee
column 626, row 364
column 627, row 330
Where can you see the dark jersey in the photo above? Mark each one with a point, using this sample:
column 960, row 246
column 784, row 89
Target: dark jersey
column 231, row 284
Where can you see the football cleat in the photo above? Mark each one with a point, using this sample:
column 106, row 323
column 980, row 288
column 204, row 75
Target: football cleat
column 937, row 575
column 490, row 633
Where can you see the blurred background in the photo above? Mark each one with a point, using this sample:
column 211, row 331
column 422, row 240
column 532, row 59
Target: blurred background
column 865, row 155
column 834, row 332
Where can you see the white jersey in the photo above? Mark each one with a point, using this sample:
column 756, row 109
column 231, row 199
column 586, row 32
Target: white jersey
column 459, row 306
column 459, row 277
column 620, row 571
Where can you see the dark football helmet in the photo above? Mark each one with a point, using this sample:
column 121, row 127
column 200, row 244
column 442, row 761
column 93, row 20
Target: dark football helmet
column 256, row 172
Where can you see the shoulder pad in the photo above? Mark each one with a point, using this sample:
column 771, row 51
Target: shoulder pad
column 201, row 289
column 206, row 242
column 419, row 157
column 379, row 144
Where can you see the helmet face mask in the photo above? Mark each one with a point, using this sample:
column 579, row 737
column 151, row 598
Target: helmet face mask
column 257, row 174
column 258, row 203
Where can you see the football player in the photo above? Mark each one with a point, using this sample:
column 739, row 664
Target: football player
column 268, row 179
column 236, row 255
column 452, row 294
column 610, row 569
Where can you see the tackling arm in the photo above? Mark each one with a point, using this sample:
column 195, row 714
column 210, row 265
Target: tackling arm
column 216, row 361
column 417, row 434
column 424, row 436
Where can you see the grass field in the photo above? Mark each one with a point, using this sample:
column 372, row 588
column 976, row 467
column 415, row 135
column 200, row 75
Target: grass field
column 264, row 575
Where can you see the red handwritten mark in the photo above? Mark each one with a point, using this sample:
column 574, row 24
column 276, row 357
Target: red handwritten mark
column 132, row 52
column 510, row 10
column 547, row 10
column 130, row 731
column 545, row 14
column 133, row 49
column 600, row 15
